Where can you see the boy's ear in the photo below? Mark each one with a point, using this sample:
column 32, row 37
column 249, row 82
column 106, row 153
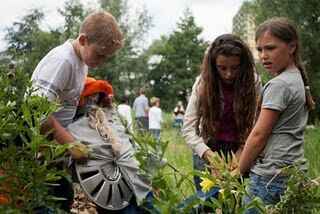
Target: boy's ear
column 82, row 39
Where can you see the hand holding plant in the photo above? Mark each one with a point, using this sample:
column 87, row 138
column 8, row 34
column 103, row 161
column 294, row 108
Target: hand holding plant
column 80, row 152
column 219, row 164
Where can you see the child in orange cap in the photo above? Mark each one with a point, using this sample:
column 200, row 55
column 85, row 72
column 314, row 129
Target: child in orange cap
column 100, row 92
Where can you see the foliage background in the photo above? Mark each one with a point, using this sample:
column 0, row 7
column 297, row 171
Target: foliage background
column 306, row 16
column 168, row 76
column 25, row 154
column 170, row 64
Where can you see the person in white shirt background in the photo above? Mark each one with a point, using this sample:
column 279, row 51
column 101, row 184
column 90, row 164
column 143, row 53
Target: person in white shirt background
column 125, row 111
column 155, row 118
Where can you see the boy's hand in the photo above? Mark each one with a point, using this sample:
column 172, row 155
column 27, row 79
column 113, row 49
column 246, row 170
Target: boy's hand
column 80, row 152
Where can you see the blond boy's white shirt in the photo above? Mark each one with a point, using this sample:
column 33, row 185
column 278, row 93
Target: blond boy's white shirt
column 60, row 76
column 197, row 143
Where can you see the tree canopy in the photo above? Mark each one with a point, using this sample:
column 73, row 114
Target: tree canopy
column 125, row 69
column 179, row 59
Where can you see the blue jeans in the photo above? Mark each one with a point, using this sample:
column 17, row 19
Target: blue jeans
column 178, row 123
column 198, row 164
column 267, row 188
column 156, row 134
column 142, row 124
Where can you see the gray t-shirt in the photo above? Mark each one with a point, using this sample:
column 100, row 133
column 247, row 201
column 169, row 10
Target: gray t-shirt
column 286, row 94
column 60, row 76
column 140, row 106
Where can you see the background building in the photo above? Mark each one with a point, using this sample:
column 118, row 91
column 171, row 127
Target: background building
column 243, row 25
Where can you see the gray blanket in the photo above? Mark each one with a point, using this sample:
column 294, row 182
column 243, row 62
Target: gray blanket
column 103, row 162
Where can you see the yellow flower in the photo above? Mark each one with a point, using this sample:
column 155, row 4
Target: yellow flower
column 206, row 184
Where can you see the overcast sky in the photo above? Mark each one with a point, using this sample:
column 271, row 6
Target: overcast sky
column 215, row 16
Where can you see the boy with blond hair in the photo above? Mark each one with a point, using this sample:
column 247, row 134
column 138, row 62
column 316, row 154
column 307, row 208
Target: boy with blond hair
column 60, row 76
column 155, row 118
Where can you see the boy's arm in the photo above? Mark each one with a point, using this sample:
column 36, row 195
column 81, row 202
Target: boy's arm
column 146, row 107
column 63, row 137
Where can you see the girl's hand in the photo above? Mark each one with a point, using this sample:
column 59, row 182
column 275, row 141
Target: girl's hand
column 214, row 168
column 208, row 155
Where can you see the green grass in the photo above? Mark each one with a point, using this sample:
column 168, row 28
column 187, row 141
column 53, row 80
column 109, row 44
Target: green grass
column 311, row 149
column 180, row 155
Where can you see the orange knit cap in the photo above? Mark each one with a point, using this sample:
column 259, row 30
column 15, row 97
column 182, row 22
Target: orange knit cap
column 96, row 86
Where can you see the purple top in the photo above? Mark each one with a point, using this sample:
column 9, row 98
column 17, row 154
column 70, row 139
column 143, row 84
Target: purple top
column 228, row 129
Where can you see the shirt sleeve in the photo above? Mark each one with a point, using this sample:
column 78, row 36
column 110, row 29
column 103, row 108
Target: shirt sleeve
column 276, row 95
column 52, row 79
column 190, row 120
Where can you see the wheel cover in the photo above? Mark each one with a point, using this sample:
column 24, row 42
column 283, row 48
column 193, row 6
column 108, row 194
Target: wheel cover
column 104, row 183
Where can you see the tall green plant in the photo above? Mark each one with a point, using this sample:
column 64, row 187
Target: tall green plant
column 155, row 167
column 170, row 180
column 73, row 13
column 125, row 70
column 20, row 37
column 28, row 43
column 302, row 195
column 25, row 154
column 171, row 197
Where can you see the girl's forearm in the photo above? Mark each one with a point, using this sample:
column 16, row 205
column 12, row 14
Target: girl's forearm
column 251, row 151
column 258, row 138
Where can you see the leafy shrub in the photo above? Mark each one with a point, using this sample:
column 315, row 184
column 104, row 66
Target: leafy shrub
column 26, row 156
column 302, row 195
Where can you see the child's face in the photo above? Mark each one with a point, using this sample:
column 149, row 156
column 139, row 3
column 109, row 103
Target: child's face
column 228, row 67
column 93, row 97
column 274, row 53
column 94, row 55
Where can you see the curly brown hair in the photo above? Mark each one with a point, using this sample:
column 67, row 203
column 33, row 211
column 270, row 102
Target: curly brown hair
column 209, row 104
